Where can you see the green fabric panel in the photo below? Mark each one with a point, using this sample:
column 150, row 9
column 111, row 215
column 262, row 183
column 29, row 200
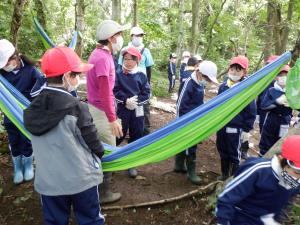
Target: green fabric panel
column 193, row 133
column 293, row 86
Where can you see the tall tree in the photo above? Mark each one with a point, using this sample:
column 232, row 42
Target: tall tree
column 135, row 13
column 40, row 12
column 17, row 18
column 116, row 10
column 79, row 25
column 195, row 21
column 180, row 26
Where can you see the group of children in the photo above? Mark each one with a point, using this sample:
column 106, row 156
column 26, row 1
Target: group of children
column 68, row 151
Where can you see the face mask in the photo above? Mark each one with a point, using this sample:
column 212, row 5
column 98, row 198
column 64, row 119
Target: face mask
column 137, row 41
column 10, row 67
column 118, row 45
column 281, row 80
column 133, row 70
column 185, row 60
column 203, row 82
column 234, row 78
column 290, row 180
column 71, row 88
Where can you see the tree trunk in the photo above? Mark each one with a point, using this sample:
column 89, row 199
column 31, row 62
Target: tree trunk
column 269, row 32
column 194, row 29
column 134, row 12
column 210, row 36
column 286, row 26
column 277, row 26
column 79, row 25
column 41, row 16
column 180, row 27
column 19, row 8
column 296, row 51
column 116, row 10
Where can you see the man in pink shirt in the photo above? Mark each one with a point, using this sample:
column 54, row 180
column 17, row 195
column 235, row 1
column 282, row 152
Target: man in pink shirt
column 100, row 84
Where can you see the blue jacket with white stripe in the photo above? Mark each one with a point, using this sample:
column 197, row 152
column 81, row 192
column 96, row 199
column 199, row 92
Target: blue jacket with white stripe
column 284, row 114
column 191, row 96
column 245, row 119
column 131, row 84
column 171, row 69
column 255, row 193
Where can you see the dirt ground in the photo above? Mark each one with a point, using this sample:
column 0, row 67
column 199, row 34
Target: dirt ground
column 20, row 205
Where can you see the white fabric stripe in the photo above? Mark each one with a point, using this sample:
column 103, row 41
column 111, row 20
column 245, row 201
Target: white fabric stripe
column 118, row 100
column 57, row 89
column 100, row 215
column 243, row 176
column 181, row 95
column 144, row 101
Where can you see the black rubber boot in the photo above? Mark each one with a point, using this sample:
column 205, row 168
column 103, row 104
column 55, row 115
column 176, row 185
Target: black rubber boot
column 225, row 164
column 180, row 166
column 191, row 170
column 233, row 168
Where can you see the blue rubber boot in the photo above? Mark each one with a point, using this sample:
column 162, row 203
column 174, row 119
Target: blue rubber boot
column 28, row 168
column 18, row 173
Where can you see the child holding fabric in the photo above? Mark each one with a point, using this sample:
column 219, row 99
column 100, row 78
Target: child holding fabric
column 21, row 73
column 230, row 137
column 278, row 115
column 131, row 91
column 191, row 96
column 262, row 188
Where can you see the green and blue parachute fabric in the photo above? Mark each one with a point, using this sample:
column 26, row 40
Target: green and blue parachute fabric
column 183, row 132
column 292, row 86
column 47, row 42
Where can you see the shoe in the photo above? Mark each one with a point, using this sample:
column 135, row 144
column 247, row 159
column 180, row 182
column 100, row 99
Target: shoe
column 132, row 172
column 224, row 169
column 28, row 168
column 191, row 170
column 109, row 197
column 18, row 172
column 180, row 166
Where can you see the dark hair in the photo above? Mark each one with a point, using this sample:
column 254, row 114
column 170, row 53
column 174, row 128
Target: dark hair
column 133, row 57
column 237, row 66
column 192, row 61
column 103, row 42
column 55, row 80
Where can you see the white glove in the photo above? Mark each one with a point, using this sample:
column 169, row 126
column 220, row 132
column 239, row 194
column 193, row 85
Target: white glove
column 282, row 100
column 173, row 77
column 245, row 136
column 269, row 219
column 131, row 103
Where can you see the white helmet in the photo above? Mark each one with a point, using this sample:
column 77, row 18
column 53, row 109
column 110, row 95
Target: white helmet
column 107, row 29
column 186, row 54
column 136, row 31
column 209, row 69
column 6, row 51
column 198, row 57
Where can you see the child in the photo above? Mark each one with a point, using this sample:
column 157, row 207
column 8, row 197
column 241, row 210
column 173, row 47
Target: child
column 192, row 64
column 21, row 73
column 172, row 71
column 262, row 188
column 230, row 137
column 191, row 96
column 185, row 57
column 65, row 143
column 131, row 91
column 278, row 115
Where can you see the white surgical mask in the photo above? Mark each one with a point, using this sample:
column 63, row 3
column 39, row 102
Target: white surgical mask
column 137, row 41
column 133, row 70
column 281, row 80
column 234, row 78
column 203, row 82
column 118, row 45
column 70, row 87
column 185, row 60
column 290, row 180
column 10, row 67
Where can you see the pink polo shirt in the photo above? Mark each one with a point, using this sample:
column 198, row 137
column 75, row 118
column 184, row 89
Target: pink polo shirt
column 101, row 81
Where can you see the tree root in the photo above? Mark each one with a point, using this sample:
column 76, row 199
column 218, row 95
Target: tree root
column 206, row 189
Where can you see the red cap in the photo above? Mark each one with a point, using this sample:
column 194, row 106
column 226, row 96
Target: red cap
column 272, row 58
column 286, row 68
column 291, row 150
column 132, row 51
column 240, row 60
column 59, row 60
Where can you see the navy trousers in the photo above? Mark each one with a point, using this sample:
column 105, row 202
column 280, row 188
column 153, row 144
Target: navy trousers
column 131, row 123
column 229, row 144
column 19, row 144
column 57, row 209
